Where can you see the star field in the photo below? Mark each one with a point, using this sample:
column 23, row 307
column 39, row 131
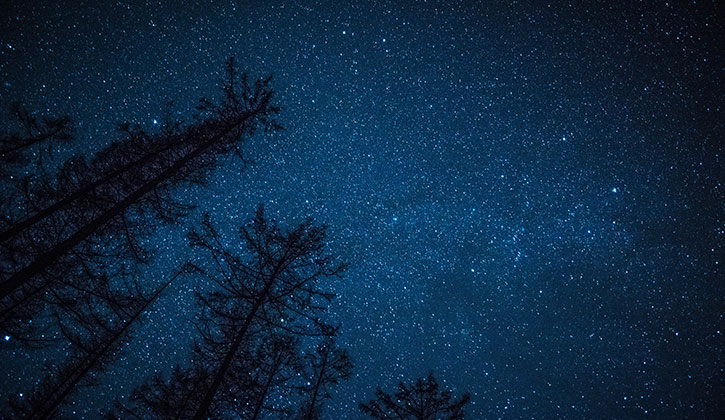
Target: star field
column 530, row 196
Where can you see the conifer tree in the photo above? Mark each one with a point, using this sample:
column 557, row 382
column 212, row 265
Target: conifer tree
column 95, row 330
column 268, row 294
column 32, row 135
column 68, row 231
column 422, row 401
column 327, row 365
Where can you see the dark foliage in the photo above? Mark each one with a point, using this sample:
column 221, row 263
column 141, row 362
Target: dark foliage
column 32, row 135
column 71, row 255
column 247, row 351
column 326, row 366
column 422, row 401
column 67, row 231
column 95, row 329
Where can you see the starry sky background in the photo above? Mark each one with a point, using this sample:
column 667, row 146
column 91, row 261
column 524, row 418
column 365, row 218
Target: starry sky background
column 530, row 195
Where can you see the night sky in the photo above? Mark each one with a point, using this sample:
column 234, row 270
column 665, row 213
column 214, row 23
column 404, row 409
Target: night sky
column 530, row 196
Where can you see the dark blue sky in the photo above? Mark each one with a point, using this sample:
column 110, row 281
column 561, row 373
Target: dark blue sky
column 530, row 196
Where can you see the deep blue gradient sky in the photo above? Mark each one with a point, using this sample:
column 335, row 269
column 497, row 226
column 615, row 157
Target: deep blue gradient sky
column 530, row 196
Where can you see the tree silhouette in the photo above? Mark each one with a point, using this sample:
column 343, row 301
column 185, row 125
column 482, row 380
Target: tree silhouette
column 32, row 132
column 261, row 300
column 67, row 227
column 422, row 401
column 26, row 149
column 259, row 371
column 95, row 329
column 326, row 366
column 277, row 365
column 70, row 251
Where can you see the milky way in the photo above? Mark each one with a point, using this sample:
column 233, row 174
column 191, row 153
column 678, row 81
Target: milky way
column 530, row 197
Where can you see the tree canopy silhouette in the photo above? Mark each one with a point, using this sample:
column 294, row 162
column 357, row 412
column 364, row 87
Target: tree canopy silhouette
column 95, row 330
column 65, row 228
column 327, row 365
column 32, row 132
column 262, row 299
column 422, row 401
column 71, row 257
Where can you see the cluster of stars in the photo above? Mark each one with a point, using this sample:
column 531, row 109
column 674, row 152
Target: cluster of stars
column 540, row 271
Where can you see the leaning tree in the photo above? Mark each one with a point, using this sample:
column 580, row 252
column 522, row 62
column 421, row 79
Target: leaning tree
column 67, row 230
column 268, row 293
column 327, row 365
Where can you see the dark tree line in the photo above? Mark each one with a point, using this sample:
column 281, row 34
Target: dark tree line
column 92, row 210
column 94, row 333
column 266, row 302
column 420, row 401
column 72, row 264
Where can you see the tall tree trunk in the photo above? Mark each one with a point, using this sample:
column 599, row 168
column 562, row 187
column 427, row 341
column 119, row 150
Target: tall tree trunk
column 51, row 406
column 229, row 356
column 20, row 226
column 268, row 383
column 317, row 387
column 39, row 264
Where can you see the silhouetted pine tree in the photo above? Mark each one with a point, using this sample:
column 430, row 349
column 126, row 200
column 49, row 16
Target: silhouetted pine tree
column 95, row 328
column 261, row 298
column 276, row 366
column 327, row 365
column 66, row 229
column 26, row 149
column 422, row 401
column 33, row 135
column 263, row 375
